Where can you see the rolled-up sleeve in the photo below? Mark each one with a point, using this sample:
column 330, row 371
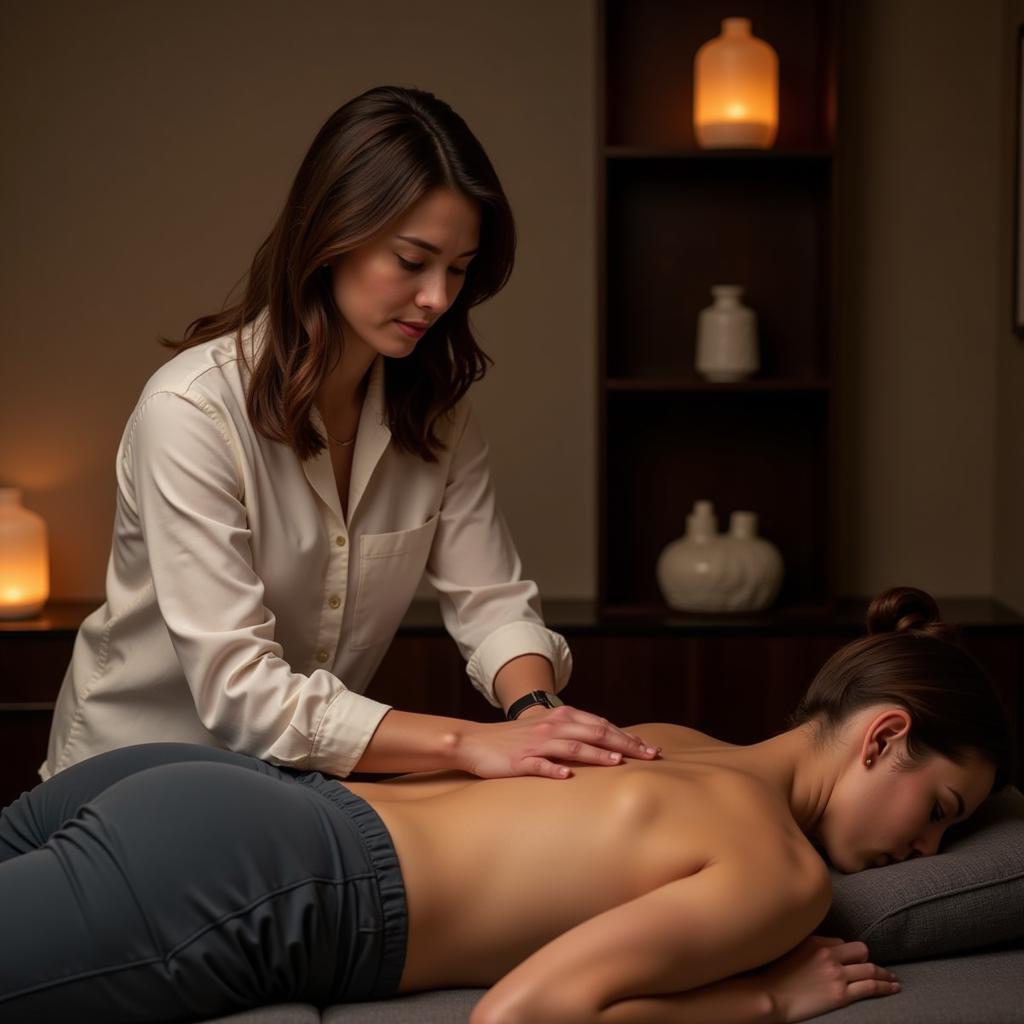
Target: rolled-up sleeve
column 181, row 471
column 493, row 614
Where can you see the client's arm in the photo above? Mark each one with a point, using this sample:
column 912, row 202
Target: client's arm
column 818, row 976
column 674, row 954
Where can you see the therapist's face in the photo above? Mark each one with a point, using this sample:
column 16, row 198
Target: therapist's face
column 392, row 288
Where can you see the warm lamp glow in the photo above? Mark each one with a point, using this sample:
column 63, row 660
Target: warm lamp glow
column 24, row 561
column 736, row 90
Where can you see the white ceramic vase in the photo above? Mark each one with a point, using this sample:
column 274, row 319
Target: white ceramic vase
column 727, row 337
column 704, row 571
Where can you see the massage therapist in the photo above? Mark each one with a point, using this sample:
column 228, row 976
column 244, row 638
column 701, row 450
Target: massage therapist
column 285, row 480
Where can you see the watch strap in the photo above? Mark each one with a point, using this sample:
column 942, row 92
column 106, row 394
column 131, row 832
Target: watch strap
column 528, row 700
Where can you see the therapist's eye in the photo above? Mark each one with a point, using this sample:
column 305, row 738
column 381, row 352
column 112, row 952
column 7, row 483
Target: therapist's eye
column 411, row 266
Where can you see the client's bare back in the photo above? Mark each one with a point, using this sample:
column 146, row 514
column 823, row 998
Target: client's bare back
column 494, row 869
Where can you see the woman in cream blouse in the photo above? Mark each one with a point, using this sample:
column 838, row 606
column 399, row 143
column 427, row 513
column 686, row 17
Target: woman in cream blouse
column 287, row 478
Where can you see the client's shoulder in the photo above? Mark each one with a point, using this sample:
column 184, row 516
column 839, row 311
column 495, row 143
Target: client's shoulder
column 768, row 845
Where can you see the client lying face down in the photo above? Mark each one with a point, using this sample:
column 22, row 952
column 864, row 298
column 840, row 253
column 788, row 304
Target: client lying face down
column 168, row 882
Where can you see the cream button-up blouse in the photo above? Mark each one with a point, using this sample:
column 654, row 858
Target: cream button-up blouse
column 244, row 612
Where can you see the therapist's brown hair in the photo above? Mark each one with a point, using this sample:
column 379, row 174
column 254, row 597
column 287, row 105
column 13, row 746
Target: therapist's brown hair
column 373, row 159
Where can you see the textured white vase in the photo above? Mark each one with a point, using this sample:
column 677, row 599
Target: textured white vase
column 727, row 337
column 704, row 571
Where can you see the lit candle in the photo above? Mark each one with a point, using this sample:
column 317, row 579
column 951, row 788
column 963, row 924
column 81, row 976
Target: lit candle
column 24, row 561
column 736, row 90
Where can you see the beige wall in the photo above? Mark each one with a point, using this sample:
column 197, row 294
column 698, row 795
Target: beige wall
column 153, row 148
column 149, row 147
column 922, row 264
column 1009, row 469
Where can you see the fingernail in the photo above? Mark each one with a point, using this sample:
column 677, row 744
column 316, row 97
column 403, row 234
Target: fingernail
column 564, row 772
column 615, row 757
column 653, row 750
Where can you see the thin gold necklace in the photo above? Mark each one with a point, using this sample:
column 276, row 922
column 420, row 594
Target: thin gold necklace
column 352, row 439
column 340, row 444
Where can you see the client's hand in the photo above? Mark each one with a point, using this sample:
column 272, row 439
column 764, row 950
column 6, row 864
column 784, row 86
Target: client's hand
column 533, row 742
column 823, row 974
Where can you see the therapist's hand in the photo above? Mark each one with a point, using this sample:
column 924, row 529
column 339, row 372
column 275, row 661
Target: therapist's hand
column 541, row 738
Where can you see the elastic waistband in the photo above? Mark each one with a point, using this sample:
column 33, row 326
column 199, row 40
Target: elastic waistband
column 380, row 852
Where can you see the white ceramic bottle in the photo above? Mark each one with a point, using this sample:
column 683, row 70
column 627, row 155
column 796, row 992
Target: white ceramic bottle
column 24, row 561
column 727, row 337
column 758, row 567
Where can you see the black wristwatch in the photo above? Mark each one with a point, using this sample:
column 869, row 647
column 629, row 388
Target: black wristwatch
column 517, row 707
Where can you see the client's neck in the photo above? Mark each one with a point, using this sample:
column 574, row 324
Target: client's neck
column 804, row 772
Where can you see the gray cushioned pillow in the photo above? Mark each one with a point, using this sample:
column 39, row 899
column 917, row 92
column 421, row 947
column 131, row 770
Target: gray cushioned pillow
column 968, row 896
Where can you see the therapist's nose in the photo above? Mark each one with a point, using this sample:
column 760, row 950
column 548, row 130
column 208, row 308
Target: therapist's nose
column 434, row 295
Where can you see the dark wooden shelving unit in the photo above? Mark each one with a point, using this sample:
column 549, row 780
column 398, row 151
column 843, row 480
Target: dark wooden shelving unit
column 673, row 220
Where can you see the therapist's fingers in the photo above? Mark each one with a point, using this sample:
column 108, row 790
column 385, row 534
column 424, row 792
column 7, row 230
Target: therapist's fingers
column 580, row 753
column 568, row 722
column 529, row 747
column 543, row 767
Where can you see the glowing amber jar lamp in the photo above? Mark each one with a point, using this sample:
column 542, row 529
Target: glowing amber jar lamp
column 24, row 560
column 736, row 90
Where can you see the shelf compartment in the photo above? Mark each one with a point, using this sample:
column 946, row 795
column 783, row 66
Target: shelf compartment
column 749, row 451
column 675, row 229
column 651, row 45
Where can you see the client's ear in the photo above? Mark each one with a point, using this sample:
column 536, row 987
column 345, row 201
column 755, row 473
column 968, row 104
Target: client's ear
column 884, row 729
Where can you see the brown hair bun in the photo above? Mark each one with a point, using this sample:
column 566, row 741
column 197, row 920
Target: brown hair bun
column 907, row 609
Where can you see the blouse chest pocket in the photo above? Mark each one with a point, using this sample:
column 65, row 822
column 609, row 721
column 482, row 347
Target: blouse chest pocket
column 390, row 568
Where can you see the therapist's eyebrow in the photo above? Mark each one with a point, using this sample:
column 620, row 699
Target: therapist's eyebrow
column 959, row 801
column 432, row 248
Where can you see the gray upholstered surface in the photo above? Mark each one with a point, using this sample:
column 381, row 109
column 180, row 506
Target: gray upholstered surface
column 969, row 896
column 985, row 988
column 291, row 1013
column 450, row 1007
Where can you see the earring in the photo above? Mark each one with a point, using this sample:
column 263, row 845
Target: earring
column 868, row 762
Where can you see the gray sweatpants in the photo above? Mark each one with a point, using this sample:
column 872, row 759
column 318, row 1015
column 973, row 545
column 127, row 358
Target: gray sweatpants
column 173, row 882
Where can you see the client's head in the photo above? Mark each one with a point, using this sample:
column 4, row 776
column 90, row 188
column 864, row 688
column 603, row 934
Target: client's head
column 916, row 727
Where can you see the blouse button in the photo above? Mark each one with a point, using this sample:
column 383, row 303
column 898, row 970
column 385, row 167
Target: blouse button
column 340, row 541
column 322, row 656
column 335, row 601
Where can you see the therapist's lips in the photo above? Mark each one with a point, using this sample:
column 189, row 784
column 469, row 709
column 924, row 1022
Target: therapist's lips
column 412, row 330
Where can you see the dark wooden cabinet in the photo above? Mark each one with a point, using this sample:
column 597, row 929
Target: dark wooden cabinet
column 673, row 220
column 737, row 678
